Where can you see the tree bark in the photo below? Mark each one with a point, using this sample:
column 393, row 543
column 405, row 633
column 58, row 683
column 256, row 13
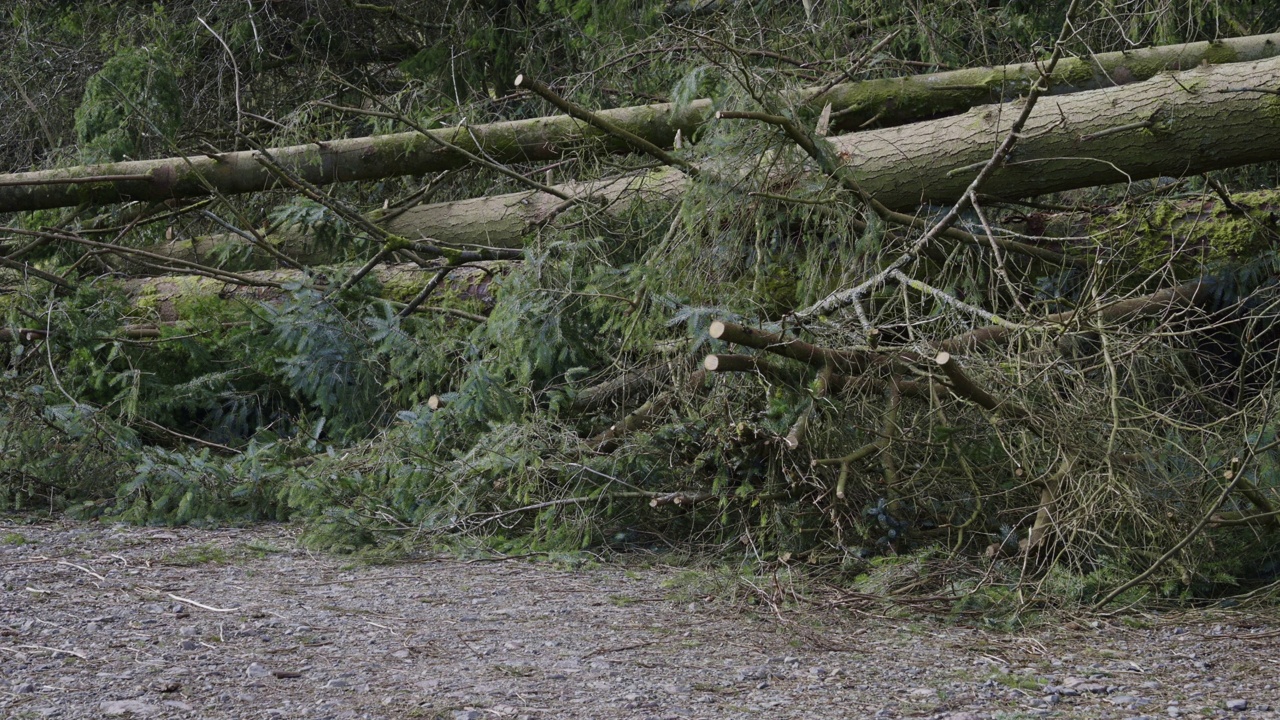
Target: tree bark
column 1180, row 124
column 1184, row 232
column 189, row 297
column 883, row 102
column 505, row 220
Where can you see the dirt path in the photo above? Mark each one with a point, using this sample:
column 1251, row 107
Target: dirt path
column 142, row 622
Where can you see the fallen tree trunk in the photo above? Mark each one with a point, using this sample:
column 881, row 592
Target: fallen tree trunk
column 884, row 102
column 1181, row 124
column 505, row 220
column 1186, row 231
column 1164, row 302
column 187, row 297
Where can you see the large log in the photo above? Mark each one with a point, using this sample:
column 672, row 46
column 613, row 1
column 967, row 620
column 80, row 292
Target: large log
column 1187, row 123
column 884, row 102
column 189, row 297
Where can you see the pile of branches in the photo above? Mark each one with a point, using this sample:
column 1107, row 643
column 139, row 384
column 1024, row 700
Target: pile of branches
column 1014, row 312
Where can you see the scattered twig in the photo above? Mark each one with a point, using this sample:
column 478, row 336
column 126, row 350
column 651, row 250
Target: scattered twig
column 81, row 568
column 202, row 606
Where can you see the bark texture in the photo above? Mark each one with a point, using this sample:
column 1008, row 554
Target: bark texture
column 188, row 297
column 881, row 102
column 504, row 220
column 1187, row 123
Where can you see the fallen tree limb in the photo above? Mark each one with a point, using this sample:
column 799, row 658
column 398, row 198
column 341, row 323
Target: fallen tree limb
column 750, row 364
column 642, row 417
column 965, row 387
column 846, row 362
column 1157, row 303
column 646, row 415
column 637, row 383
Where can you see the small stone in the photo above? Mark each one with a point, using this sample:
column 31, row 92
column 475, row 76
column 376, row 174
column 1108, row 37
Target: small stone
column 337, row 683
column 1237, row 705
column 402, row 654
column 257, row 670
column 1091, row 687
column 26, row 687
column 468, row 715
column 190, row 645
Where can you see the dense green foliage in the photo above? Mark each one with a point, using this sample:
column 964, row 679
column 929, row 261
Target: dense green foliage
column 133, row 96
column 302, row 402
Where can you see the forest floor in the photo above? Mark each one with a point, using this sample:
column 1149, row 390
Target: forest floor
column 102, row 620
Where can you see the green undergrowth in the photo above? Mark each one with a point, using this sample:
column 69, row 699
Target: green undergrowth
column 314, row 407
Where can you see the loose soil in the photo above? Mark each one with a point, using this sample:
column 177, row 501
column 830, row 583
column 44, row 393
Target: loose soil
column 101, row 620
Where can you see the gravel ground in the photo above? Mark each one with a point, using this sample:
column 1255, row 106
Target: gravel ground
column 100, row 621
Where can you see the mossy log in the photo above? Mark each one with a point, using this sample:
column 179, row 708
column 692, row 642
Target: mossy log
column 1180, row 124
column 193, row 297
column 231, row 252
column 1186, row 233
column 881, row 102
column 1189, row 232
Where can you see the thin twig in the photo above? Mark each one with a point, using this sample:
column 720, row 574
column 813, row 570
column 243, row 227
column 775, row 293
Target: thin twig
column 202, row 606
